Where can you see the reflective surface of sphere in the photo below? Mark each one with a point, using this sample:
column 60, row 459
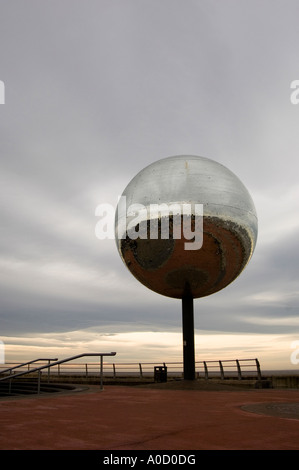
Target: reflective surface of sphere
column 170, row 265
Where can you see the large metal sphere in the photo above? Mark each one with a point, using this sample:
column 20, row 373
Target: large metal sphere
column 229, row 227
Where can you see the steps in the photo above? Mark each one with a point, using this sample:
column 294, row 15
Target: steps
column 29, row 387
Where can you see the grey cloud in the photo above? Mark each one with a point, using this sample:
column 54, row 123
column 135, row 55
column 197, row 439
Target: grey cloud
column 96, row 91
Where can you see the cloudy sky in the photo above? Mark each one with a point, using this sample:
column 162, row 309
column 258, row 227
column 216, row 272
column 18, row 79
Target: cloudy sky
column 96, row 90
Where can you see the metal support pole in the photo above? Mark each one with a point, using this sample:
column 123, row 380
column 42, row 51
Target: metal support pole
column 239, row 370
column 221, row 370
column 206, row 370
column 188, row 337
column 259, row 375
column 38, row 381
column 101, row 373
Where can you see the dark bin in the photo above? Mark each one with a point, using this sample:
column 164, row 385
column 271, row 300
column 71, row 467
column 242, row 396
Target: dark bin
column 160, row 374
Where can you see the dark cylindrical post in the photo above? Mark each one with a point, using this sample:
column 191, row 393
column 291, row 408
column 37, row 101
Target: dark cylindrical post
column 259, row 375
column 239, row 370
column 188, row 338
column 101, row 387
column 38, row 381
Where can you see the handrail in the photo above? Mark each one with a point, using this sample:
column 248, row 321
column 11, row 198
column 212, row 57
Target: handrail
column 39, row 369
column 237, row 362
column 225, row 368
column 206, row 365
column 26, row 364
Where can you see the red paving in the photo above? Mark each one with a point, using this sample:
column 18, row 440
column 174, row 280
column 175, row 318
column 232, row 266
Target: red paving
column 126, row 418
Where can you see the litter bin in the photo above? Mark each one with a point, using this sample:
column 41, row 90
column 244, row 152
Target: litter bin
column 160, row 374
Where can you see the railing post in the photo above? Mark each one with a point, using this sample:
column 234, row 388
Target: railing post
column 49, row 371
column 206, row 370
column 86, row 370
column 239, row 370
column 101, row 387
column 221, row 370
column 38, row 381
column 114, row 371
column 140, row 370
column 259, row 375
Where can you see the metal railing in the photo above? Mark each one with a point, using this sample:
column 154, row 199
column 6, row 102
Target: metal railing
column 220, row 365
column 239, row 368
column 47, row 366
column 28, row 363
column 223, row 369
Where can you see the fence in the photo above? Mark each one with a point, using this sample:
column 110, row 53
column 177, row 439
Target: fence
column 229, row 368
column 12, row 373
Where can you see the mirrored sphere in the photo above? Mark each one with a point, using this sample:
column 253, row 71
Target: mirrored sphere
column 166, row 262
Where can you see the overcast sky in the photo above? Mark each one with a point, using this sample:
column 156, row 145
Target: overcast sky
column 96, row 90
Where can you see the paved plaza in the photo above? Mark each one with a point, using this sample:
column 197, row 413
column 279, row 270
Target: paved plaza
column 124, row 418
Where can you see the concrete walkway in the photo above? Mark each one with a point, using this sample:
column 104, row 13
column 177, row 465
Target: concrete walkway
column 124, row 418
